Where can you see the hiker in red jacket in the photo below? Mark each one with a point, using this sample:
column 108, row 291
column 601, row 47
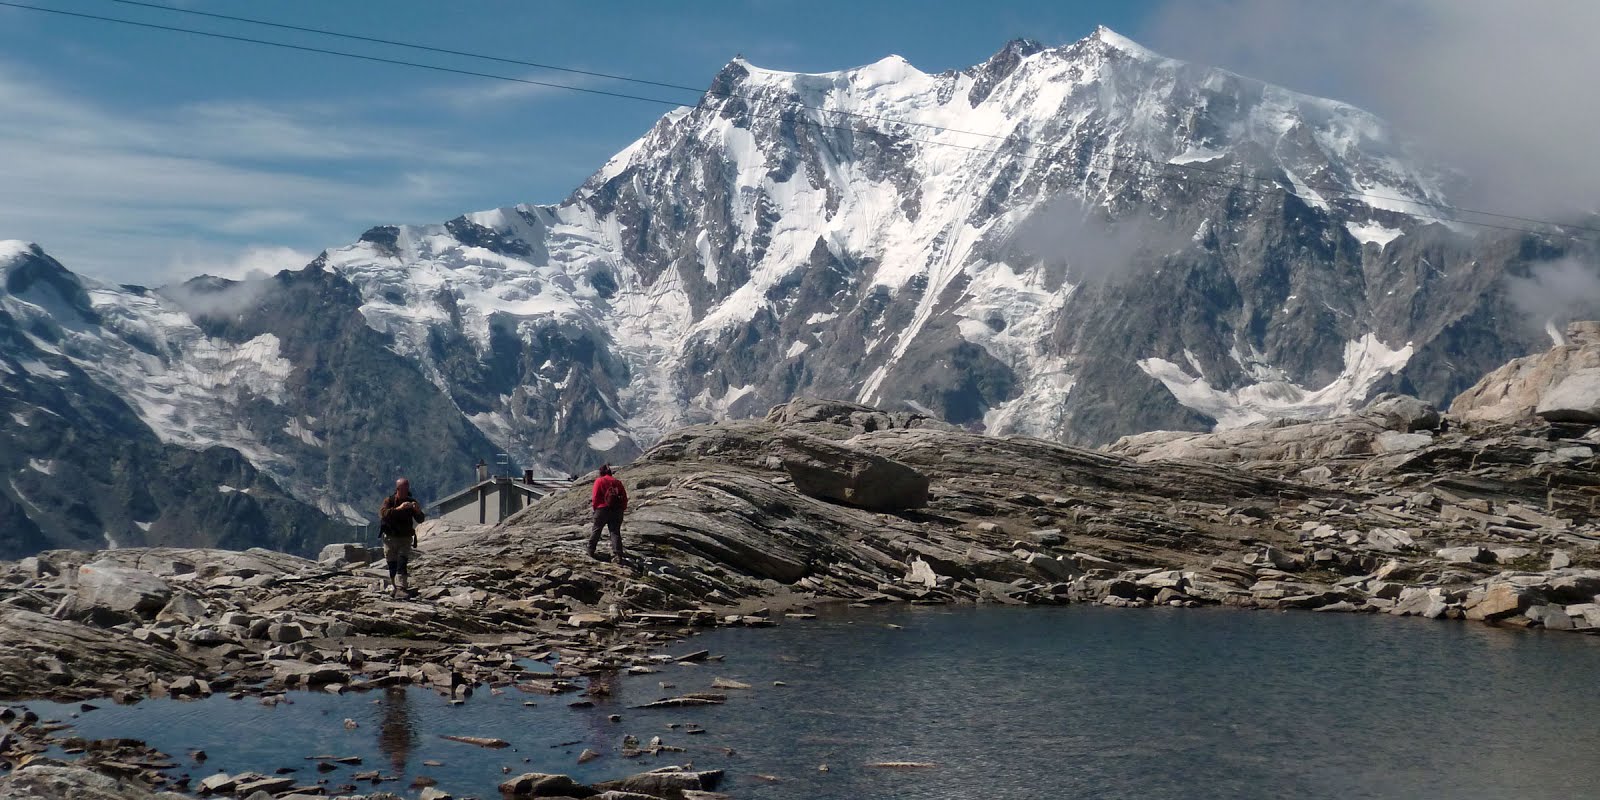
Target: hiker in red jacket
column 609, row 501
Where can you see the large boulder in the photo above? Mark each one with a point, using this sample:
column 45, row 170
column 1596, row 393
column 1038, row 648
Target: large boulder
column 1539, row 384
column 52, row 781
column 835, row 471
column 1575, row 398
column 1402, row 413
column 349, row 553
column 539, row 784
column 1500, row 601
column 667, row 782
column 121, row 589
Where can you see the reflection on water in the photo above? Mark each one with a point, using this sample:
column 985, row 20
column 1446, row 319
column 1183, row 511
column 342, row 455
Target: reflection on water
column 1009, row 703
column 396, row 734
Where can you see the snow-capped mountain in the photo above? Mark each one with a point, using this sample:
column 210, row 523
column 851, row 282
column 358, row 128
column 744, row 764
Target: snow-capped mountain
column 1076, row 242
column 123, row 423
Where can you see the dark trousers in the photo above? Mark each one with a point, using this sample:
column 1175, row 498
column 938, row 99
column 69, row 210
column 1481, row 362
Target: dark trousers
column 607, row 518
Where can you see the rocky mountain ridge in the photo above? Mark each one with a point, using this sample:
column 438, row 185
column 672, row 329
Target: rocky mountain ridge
column 1043, row 244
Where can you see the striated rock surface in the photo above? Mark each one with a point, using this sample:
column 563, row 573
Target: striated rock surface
column 722, row 533
column 1390, row 423
column 61, row 782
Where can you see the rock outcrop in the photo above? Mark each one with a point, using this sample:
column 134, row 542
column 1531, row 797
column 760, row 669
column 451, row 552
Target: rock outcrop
column 61, row 781
column 835, row 471
column 1561, row 385
column 1389, row 424
column 723, row 532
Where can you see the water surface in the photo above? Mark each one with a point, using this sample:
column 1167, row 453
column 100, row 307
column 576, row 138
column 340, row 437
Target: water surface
column 1007, row 703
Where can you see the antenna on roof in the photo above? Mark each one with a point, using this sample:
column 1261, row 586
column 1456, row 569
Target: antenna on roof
column 503, row 460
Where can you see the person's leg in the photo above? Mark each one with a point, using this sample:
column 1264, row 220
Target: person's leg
column 594, row 531
column 392, row 558
column 615, row 524
column 405, row 565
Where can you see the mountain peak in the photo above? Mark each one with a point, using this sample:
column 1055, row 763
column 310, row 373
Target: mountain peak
column 1020, row 47
column 1117, row 41
column 13, row 249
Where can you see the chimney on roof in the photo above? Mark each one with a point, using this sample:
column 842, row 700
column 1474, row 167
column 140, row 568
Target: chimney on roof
column 527, row 476
column 483, row 471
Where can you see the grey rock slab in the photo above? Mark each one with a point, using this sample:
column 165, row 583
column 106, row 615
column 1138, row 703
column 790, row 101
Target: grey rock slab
column 1584, row 615
column 1499, row 601
column 540, row 784
column 665, row 782
column 1467, row 554
column 183, row 607
column 1551, row 617
column 106, row 585
column 835, row 471
column 1574, row 398
column 51, row 781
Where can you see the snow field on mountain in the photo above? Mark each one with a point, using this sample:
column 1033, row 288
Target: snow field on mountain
column 1366, row 361
column 932, row 213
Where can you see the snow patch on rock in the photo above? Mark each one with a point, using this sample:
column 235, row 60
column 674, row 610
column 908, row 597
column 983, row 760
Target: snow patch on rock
column 603, row 440
column 1373, row 233
column 1366, row 361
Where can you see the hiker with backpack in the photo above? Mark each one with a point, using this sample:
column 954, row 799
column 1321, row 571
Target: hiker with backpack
column 398, row 518
column 609, row 501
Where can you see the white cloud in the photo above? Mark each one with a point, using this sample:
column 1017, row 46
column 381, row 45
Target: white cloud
column 257, row 220
column 1503, row 91
column 490, row 95
column 252, row 262
column 1556, row 292
column 130, row 195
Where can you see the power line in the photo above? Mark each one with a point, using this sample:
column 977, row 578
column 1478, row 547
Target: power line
column 340, row 53
column 1277, row 189
column 1326, row 188
column 412, row 46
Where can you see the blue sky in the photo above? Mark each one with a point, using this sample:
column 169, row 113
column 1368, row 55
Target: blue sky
column 144, row 156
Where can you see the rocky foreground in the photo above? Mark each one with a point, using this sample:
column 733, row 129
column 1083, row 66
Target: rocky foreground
column 1393, row 510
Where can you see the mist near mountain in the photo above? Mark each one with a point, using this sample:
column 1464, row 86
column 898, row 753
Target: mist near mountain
column 1502, row 91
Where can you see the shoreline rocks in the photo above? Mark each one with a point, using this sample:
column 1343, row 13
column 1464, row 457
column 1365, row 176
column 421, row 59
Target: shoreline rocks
column 1490, row 523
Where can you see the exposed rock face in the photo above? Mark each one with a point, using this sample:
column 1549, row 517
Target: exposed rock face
column 1487, row 522
column 65, row 782
column 119, row 589
column 1391, row 423
column 1561, row 385
column 1576, row 398
column 39, row 654
column 825, row 469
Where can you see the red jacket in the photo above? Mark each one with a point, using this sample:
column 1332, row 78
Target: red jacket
column 608, row 493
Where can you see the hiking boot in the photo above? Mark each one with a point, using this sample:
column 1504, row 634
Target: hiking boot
column 398, row 593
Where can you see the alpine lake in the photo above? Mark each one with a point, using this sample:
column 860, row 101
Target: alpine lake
column 980, row 702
